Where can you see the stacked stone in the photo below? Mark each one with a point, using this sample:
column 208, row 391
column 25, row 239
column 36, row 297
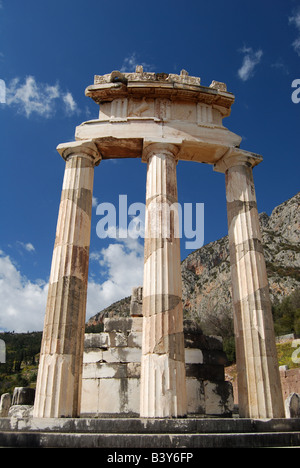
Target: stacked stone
column 112, row 371
column 5, row 402
column 207, row 391
column 112, row 368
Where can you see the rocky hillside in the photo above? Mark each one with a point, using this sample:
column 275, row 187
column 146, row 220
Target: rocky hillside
column 120, row 308
column 206, row 271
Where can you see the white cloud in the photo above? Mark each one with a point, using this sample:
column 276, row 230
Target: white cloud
column 71, row 105
column 130, row 63
column 32, row 97
column 2, row 92
column 94, row 201
column 22, row 301
column 250, row 61
column 279, row 65
column 122, row 263
column 296, row 45
column 295, row 20
column 27, row 246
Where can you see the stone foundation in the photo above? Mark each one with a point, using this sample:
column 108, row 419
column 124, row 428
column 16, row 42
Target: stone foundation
column 112, row 369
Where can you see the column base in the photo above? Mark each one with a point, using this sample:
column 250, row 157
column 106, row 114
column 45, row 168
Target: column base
column 57, row 388
column 164, row 395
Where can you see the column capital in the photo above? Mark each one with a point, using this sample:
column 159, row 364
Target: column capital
column 80, row 148
column 155, row 147
column 237, row 157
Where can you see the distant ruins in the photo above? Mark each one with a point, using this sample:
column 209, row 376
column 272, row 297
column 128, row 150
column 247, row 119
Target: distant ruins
column 160, row 118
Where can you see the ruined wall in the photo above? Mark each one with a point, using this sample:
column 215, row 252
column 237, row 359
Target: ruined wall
column 290, row 381
column 111, row 371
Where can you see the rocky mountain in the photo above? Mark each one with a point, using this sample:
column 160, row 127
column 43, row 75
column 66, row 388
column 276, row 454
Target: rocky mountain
column 206, row 271
column 120, row 308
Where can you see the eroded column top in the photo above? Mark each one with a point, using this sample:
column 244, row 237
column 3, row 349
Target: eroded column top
column 80, row 148
column 159, row 147
column 237, row 157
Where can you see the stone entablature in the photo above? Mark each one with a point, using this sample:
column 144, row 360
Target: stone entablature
column 119, row 95
column 159, row 107
column 112, row 370
column 160, row 84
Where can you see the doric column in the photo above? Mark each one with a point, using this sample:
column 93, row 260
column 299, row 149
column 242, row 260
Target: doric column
column 58, row 389
column 163, row 391
column 259, row 386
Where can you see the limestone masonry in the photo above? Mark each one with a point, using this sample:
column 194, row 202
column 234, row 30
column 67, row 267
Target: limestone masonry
column 112, row 366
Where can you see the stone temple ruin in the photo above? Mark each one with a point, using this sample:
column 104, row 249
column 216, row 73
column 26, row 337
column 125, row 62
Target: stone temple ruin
column 160, row 118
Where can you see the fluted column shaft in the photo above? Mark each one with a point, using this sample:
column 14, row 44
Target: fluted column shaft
column 58, row 389
column 163, row 391
column 259, row 386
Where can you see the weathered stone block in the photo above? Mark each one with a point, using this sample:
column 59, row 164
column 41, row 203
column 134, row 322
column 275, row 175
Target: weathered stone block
column 119, row 396
column 92, row 355
column 205, row 372
column 123, row 324
column 5, row 402
column 133, row 404
column 137, row 324
column 117, row 339
column 195, row 396
column 292, row 406
column 23, row 396
column 193, row 356
column 218, row 398
column 112, row 396
column 90, row 396
column 119, row 363
column 122, row 355
column 96, row 340
column 135, row 339
column 104, row 370
column 134, row 369
column 136, row 304
column 20, row 411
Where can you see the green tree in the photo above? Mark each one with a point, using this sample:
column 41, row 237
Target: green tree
column 286, row 314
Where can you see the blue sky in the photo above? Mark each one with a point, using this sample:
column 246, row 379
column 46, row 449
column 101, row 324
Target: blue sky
column 50, row 52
